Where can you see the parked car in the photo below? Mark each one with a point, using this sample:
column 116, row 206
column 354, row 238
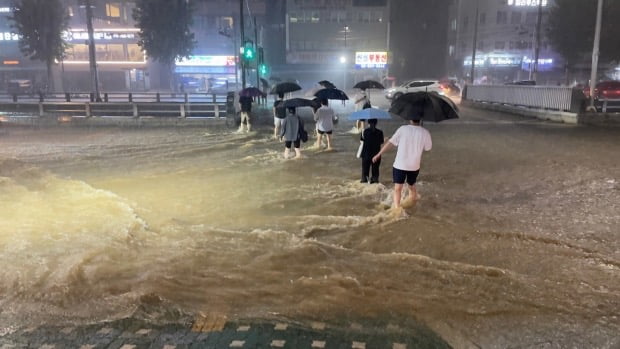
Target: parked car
column 19, row 87
column 416, row 86
column 523, row 82
column 604, row 90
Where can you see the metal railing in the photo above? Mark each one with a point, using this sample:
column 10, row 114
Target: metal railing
column 116, row 109
column 115, row 97
column 564, row 99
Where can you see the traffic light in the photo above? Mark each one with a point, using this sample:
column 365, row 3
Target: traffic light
column 263, row 69
column 248, row 51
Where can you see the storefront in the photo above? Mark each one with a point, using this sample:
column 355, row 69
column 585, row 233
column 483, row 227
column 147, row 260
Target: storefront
column 206, row 73
column 504, row 68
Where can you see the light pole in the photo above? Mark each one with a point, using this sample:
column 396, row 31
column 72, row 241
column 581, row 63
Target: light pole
column 343, row 61
column 475, row 43
column 595, row 53
column 91, row 51
column 534, row 71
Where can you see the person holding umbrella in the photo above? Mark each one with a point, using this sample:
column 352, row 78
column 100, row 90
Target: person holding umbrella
column 324, row 117
column 246, row 109
column 411, row 141
column 291, row 128
column 372, row 139
column 361, row 102
column 279, row 114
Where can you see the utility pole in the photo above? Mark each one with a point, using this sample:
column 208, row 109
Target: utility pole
column 475, row 44
column 595, row 53
column 534, row 71
column 94, row 76
column 241, row 26
column 256, row 50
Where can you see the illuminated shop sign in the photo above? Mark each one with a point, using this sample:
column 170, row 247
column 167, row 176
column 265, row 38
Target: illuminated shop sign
column 371, row 59
column 6, row 36
column 207, row 61
column 99, row 35
column 508, row 61
column 5, row 9
column 526, row 3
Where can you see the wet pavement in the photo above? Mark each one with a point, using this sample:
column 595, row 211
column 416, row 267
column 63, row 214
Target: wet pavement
column 213, row 331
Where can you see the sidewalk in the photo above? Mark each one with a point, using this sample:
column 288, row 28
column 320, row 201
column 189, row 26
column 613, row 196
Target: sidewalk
column 215, row 332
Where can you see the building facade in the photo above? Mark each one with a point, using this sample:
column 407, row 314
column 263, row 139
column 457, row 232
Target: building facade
column 340, row 40
column 505, row 41
column 122, row 65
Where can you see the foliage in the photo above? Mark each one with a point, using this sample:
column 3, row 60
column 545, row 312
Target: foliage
column 571, row 29
column 165, row 29
column 40, row 24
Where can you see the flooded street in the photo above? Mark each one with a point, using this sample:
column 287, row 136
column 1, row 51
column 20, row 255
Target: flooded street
column 515, row 242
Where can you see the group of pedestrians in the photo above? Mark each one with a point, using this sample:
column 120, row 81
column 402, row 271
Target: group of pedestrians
column 410, row 141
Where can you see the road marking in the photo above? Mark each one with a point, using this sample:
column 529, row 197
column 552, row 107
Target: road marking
column 358, row 345
column 278, row 343
column 209, row 323
column 237, row 344
column 318, row 344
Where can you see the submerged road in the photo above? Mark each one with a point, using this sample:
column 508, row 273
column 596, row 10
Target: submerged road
column 186, row 237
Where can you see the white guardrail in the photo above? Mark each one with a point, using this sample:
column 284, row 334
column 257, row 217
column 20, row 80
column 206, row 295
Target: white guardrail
column 564, row 99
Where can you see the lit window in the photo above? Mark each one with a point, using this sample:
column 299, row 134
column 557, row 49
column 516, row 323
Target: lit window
column 113, row 9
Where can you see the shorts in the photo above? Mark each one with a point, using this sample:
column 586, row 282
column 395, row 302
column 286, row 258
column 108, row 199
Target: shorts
column 399, row 176
column 277, row 122
column 324, row 132
column 288, row 144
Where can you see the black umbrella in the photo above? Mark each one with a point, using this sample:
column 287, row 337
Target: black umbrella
column 327, row 84
column 285, row 87
column 331, row 93
column 251, row 92
column 366, row 84
column 297, row 103
column 429, row 106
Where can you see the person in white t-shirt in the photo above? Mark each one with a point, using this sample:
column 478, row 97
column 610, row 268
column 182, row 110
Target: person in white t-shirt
column 324, row 118
column 411, row 141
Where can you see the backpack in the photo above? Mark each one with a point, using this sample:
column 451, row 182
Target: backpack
column 303, row 135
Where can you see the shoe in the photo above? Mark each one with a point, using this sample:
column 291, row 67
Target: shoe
column 364, row 180
column 373, row 181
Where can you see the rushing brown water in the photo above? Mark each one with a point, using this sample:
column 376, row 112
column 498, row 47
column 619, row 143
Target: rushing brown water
column 514, row 242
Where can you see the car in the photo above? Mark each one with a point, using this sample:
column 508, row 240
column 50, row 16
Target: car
column 523, row 83
column 19, row 87
column 604, row 90
column 416, row 86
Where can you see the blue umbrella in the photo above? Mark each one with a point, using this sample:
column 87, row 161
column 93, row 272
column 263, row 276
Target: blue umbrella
column 370, row 113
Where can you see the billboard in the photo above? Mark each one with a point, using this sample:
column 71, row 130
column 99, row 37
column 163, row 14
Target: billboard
column 207, row 61
column 371, row 59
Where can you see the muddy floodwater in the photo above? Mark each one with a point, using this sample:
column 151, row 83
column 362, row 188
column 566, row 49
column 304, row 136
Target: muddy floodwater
column 514, row 243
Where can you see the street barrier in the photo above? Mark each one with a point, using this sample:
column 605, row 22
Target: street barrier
column 565, row 99
column 107, row 97
column 116, row 109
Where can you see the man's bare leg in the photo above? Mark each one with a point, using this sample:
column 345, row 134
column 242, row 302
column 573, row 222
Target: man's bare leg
column 329, row 141
column 398, row 188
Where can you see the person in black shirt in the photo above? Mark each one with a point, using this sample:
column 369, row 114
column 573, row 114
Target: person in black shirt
column 279, row 114
column 373, row 139
column 246, row 109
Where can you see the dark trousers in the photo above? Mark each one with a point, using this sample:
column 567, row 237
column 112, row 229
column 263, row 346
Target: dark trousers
column 367, row 164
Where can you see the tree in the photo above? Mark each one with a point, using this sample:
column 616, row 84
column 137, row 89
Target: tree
column 165, row 31
column 571, row 30
column 41, row 24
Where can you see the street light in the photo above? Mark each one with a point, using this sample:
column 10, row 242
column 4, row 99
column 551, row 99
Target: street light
column 343, row 61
